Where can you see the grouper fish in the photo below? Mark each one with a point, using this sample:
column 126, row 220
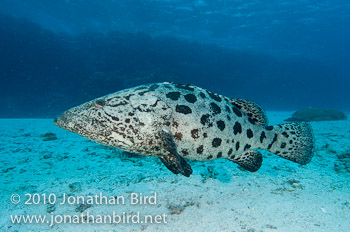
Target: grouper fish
column 179, row 122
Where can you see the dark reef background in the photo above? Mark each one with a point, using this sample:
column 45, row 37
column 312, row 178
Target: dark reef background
column 44, row 72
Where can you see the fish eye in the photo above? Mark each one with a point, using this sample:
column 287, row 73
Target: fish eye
column 99, row 103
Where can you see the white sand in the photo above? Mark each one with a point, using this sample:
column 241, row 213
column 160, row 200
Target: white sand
column 281, row 196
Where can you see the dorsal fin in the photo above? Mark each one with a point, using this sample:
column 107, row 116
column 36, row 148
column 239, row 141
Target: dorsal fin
column 251, row 109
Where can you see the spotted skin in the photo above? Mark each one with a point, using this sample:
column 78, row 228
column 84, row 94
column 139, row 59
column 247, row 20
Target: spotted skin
column 203, row 126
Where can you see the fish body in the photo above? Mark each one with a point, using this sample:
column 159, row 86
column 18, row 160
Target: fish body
column 176, row 122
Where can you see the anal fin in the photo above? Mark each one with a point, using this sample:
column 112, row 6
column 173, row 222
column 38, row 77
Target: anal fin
column 250, row 160
column 171, row 159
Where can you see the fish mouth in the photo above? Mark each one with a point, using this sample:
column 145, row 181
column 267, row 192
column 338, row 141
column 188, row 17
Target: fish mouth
column 62, row 120
column 58, row 121
column 68, row 121
column 79, row 124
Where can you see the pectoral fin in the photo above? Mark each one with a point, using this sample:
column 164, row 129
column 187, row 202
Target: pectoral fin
column 172, row 160
column 250, row 160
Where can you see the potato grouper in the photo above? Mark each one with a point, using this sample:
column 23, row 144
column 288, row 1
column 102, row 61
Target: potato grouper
column 175, row 122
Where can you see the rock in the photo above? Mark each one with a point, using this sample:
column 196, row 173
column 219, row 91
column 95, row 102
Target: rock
column 47, row 156
column 5, row 170
column 82, row 207
column 51, row 208
column 316, row 114
column 342, row 164
column 176, row 209
column 75, row 187
column 49, row 136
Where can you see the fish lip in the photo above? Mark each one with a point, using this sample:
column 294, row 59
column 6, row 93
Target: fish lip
column 69, row 121
column 63, row 120
column 56, row 121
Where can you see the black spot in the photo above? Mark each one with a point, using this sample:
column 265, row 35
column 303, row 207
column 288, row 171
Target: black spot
column 99, row 114
column 112, row 117
column 205, row 119
column 230, row 151
column 120, row 103
column 215, row 108
column 194, row 133
column 200, row 149
column 228, row 117
column 221, row 125
column 184, row 151
column 190, row 98
column 205, row 135
column 214, row 96
column 290, row 141
column 285, row 134
column 100, row 103
column 237, row 111
column 216, row 142
column 269, row 128
column 173, row 95
column 183, row 109
column 128, row 97
column 127, row 120
column 247, row 146
column 250, row 133
column 237, row 128
column 219, row 155
column 228, row 109
column 131, row 114
column 202, row 95
column 142, row 93
column 283, row 145
column 237, row 146
column 186, row 86
column 262, row 137
column 237, row 105
column 178, row 135
column 153, row 87
column 209, row 157
column 273, row 141
column 252, row 120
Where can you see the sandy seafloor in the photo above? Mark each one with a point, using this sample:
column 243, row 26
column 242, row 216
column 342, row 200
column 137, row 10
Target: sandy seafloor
column 281, row 196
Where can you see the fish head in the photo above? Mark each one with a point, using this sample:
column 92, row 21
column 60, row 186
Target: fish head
column 125, row 121
column 105, row 120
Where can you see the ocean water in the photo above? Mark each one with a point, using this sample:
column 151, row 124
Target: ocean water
column 283, row 55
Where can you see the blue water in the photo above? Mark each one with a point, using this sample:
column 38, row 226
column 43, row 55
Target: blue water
column 282, row 54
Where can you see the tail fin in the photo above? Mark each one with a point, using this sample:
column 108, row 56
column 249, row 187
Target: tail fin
column 293, row 141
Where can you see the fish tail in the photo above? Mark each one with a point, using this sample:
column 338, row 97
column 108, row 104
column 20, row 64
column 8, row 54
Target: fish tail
column 292, row 141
